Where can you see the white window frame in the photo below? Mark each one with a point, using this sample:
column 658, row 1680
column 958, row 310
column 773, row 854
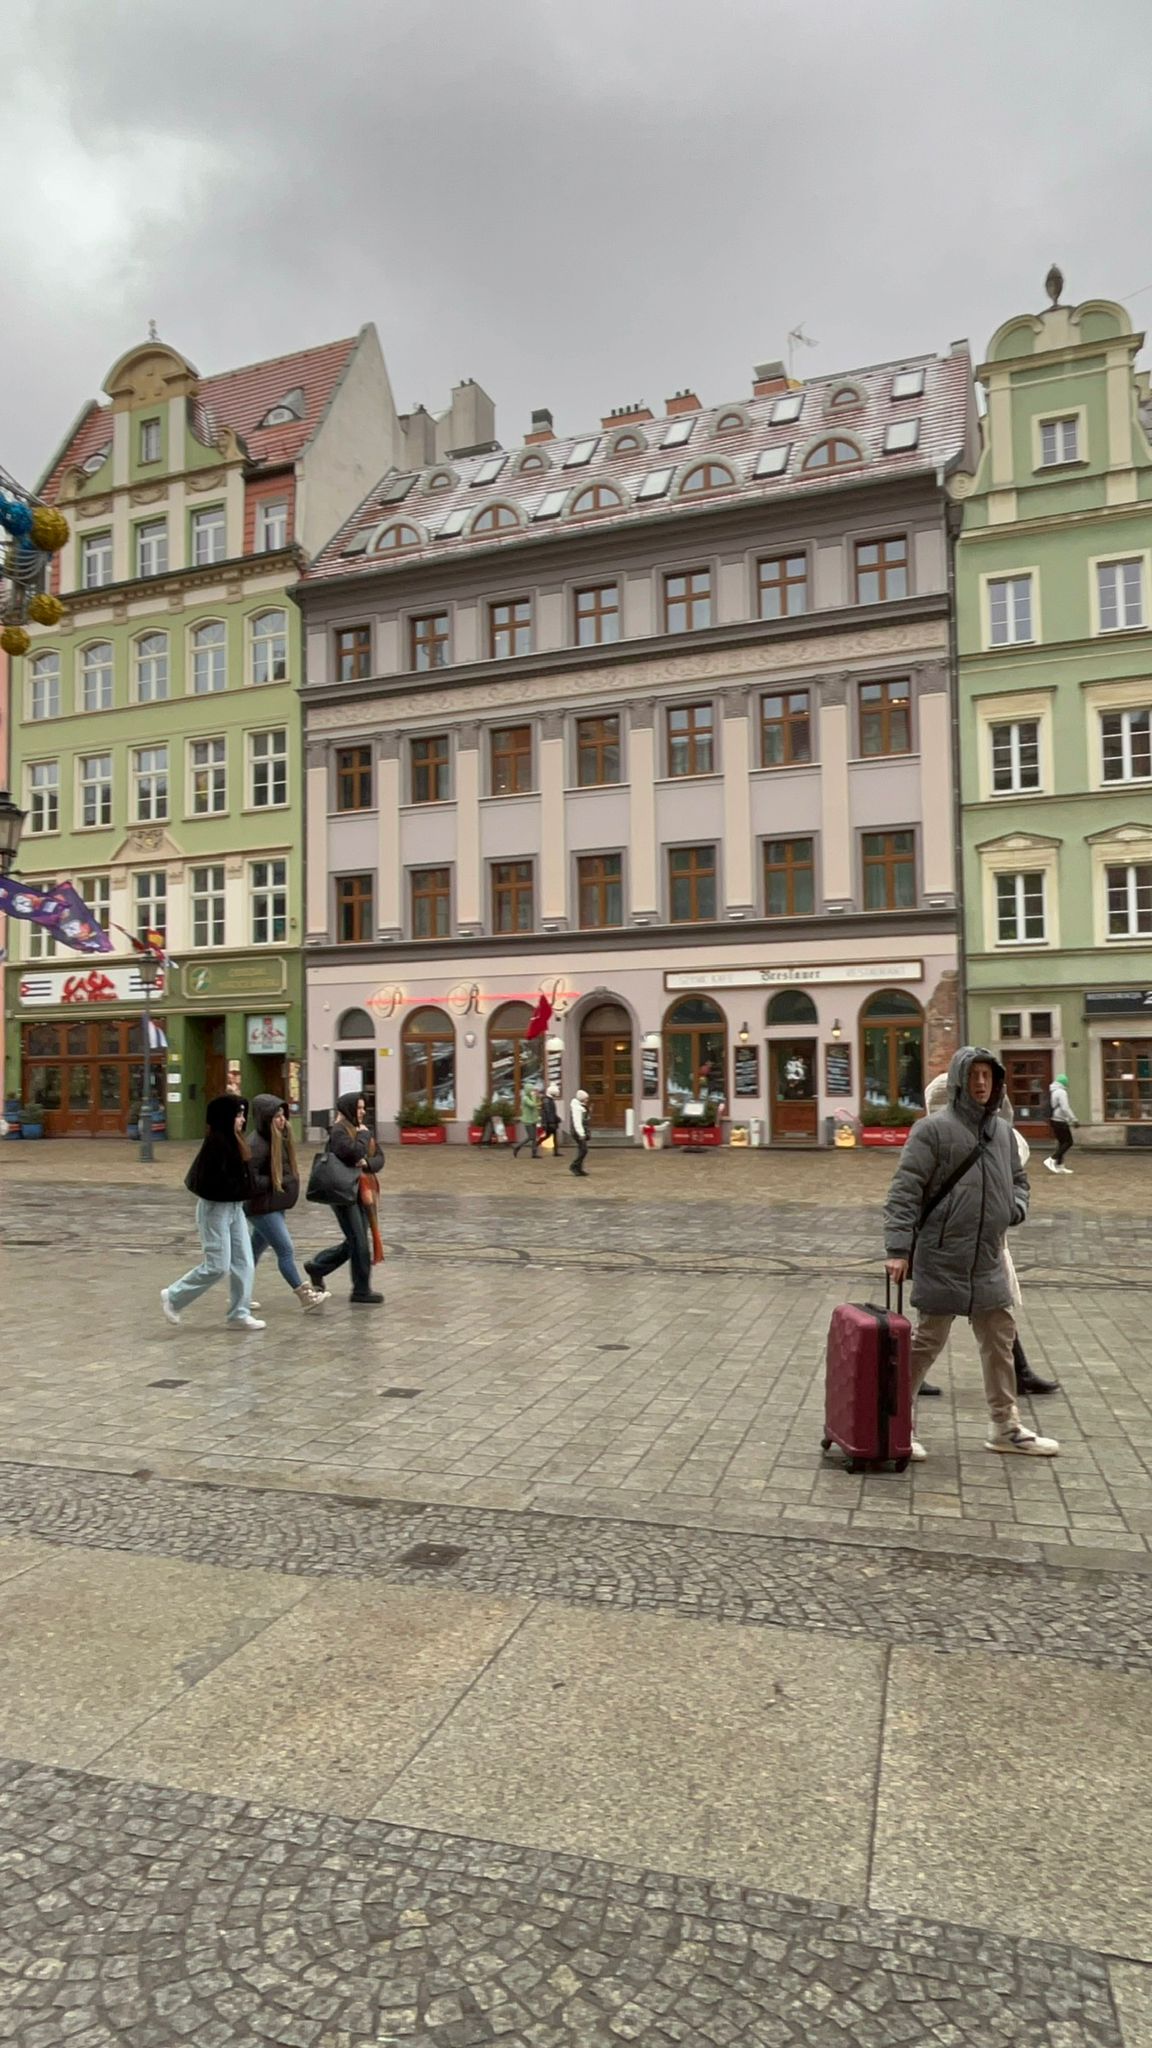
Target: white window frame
column 96, row 891
column 1098, row 563
column 214, row 900
column 1122, row 846
column 100, row 784
column 43, row 800
column 1132, row 693
column 214, row 653
column 1077, row 417
column 154, row 661
column 1013, row 726
column 151, row 786
column 260, row 642
column 151, row 539
column 211, row 522
column 271, row 758
column 215, row 769
column 96, row 552
column 1020, row 878
column 265, row 893
column 1020, row 853
column 271, row 525
column 1130, row 869
column 1125, row 714
column 150, row 923
column 151, row 440
column 49, row 680
column 89, row 670
column 1032, row 577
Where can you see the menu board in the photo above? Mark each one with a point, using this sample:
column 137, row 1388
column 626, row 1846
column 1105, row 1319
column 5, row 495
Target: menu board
column 837, row 1070
column 747, row 1070
column 650, row 1071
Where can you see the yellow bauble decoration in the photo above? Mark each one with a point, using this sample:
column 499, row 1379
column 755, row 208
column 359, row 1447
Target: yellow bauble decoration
column 46, row 609
column 50, row 529
column 14, row 640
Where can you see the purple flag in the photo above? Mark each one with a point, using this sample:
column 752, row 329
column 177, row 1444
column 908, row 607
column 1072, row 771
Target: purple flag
column 59, row 909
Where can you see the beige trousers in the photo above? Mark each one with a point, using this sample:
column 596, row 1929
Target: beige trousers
column 994, row 1330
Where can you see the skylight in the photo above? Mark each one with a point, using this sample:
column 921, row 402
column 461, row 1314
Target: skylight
column 655, row 483
column 773, row 461
column 488, row 471
column 787, row 409
column 581, row 453
column 454, row 523
column 358, row 543
column 901, row 434
column 908, row 384
column 679, row 432
column 397, row 490
column 551, row 506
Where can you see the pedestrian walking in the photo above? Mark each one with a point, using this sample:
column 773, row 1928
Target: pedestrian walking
column 1060, row 1110
column 550, row 1116
column 337, row 1175
column 530, row 1117
column 276, row 1189
column 958, row 1190
column 221, row 1181
column 580, row 1119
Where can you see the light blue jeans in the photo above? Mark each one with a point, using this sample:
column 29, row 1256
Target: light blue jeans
column 223, row 1229
column 271, row 1233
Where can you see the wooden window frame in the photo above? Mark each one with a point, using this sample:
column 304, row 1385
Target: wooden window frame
column 596, row 613
column 884, row 568
column 517, row 756
column 353, row 654
column 792, row 869
column 606, row 498
column 695, row 876
column 788, row 725
column 696, row 741
column 424, row 638
column 599, row 744
column 509, row 619
column 719, row 478
column 354, row 774
column 592, row 875
column 437, row 765
column 420, row 892
column 888, row 862
column 695, row 597
column 888, row 710
column 512, row 890
column 355, row 906
column 785, row 584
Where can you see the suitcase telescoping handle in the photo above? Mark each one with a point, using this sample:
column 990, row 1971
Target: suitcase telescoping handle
column 888, row 1294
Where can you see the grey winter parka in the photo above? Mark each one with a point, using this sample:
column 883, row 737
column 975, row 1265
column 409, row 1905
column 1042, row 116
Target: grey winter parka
column 958, row 1269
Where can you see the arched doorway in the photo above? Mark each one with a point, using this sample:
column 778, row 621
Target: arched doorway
column 356, row 1055
column 695, row 1053
column 513, row 1058
column 892, row 1051
column 606, row 1064
column 428, row 1058
column 793, row 1068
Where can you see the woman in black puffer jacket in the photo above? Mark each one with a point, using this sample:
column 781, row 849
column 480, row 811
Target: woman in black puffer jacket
column 275, row 1190
column 221, row 1182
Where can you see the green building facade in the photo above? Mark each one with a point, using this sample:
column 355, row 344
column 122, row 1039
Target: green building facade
column 1054, row 628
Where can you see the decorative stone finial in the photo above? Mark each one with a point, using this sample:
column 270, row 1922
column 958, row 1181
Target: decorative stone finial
column 152, row 334
column 1054, row 284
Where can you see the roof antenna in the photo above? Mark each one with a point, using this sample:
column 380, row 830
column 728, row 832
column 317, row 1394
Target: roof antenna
column 152, row 334
column 798, row 339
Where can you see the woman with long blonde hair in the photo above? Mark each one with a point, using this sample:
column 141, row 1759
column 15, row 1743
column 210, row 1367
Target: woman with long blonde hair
column 275, row 1190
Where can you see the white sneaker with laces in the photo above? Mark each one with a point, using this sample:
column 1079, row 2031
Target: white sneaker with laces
column 246, row 1323
column 1050, row 1163
column 1064, row 1169
column 1014, row 1439
column 172, row 1314
column 918, row 1452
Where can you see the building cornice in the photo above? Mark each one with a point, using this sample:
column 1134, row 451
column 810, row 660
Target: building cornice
column 1054, row 522
column 283, row 562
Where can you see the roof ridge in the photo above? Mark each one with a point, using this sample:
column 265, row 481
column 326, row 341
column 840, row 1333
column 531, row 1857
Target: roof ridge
column 293, row 355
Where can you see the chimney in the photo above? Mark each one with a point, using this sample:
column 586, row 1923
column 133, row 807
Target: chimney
column 469, row 425
column 628, row 415
column 681, row 401
column 542, row 429
column 769, row 378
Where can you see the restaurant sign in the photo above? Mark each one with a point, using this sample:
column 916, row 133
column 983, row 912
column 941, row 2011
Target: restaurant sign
column 877, row 971
column 73, row 988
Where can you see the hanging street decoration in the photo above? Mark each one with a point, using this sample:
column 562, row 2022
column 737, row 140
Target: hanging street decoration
column 58, row 909
column 30, row 534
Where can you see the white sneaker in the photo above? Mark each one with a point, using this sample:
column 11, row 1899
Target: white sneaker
column 1050, row 1163
column 1022, row 1442
column 171, row 1313
column 246, row 1323
column 253, row 1304
column 918, row 1452
column 1064, row 1169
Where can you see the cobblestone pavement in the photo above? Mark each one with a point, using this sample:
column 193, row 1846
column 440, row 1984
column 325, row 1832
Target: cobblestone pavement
column 1098, row 1619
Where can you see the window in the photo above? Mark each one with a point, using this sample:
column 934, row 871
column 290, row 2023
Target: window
column 782, row 583
column 354, row 920
column 39, row 944
column 428, row 1050
column 96, row 677
column 1042, row 1024
column 1126, row 744
column 691, row 884
column 490, row 469
column 511, row 759
column 354, row 778
column 679, row 432
column 581, row 452
column 908, row 384
column 597, row 498
column 152, row 547
column 1011, row 1024
column 691, row 740
column 597, row 614
column 510, row 628
column 209, row 535
column 270, row 647
column 627, row 444
column 695, row 1052
column 1009, row 610
column 834, row 454
column 707, row 476
column 1019, row 909
column 151, row 657
column 655, row 483
column 430, row 769
column 268, row 881
column 285, row 412
column 892, row 1050
column 1016, row 756
column 150, row 901
column 209, row 658
column 729, row 422
column 600, row 887
column 889, row 871
column 512, row 907
column 149, row 785
column 1128, row 1081
column 353, row 654
column 1120, row 594
column 494, row 519
column 429, row 641
column 881, row 570
column 885, row 719
column 399, row 536
column 785, row 729
column 44, row 797
column 95, row 560
column 597, row 751
column 271, row 525
column 268, row 755
column 149, row 440
column 96, row 789
column 513, row 1059
column 901, row 436
column 452, row 525
column 1059, row 441
column 528, row 465
column 687, row 600
column 96, row 891
column 772, row 461
column 431, row 903
column 44, row 696
column 208, row 773
column 846, row 395
column 789, row 878
column 1129, row 891
column 788, row 409
column 207, row 897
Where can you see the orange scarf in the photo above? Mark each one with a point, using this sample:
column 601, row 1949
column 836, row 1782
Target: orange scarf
column 369, row 1191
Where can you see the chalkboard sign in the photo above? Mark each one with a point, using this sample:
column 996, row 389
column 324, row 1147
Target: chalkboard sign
column 650, row 1070
column 747, row 1070
column 837, row 1070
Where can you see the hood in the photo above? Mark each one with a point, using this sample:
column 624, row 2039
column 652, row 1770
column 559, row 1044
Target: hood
column 346, row 1104
column 223, row 1110
column 958, row 1096
column 264, row 1108
column 936, row 1094
column 582, row 1095
column 554, row 1090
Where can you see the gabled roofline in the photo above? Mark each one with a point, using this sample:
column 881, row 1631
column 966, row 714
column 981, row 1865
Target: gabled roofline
column 91, row 405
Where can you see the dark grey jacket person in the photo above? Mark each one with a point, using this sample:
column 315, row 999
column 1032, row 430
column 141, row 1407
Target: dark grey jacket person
column 959, row 1267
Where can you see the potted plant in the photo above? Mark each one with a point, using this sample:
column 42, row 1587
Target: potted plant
column 420, row 1124
column 12, row 1115
column 32, row 1120
column 694, row 1128
column 485, row 1113
column 887, row 1123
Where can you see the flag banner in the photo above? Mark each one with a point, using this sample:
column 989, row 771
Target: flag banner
column 58, row 909
column 540, row 1019
column 145, row 942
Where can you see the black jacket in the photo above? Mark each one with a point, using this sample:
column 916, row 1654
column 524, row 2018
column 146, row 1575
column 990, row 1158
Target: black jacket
column 265, row 1199
column 219, row 1172
column 550, row 1115
column 355, row 1147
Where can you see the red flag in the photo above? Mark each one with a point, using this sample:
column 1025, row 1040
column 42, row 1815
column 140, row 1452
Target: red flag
column 540, row 1019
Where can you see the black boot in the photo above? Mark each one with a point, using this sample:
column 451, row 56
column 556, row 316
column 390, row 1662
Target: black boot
column 1027, row 1381
column 927, row 1388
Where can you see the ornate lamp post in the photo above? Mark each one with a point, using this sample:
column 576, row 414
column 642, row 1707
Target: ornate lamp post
column 11, row 827
column 148, row 966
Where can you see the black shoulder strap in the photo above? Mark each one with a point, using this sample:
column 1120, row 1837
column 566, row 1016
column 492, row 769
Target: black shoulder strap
column 942, row 1193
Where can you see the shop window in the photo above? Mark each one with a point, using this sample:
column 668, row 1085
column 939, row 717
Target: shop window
column 1128, row 1080
column 791, row 1006
column 892, row 1051
column 695, row 1052
column 513, row 1058
column 355, row 1026
column 428, row 1052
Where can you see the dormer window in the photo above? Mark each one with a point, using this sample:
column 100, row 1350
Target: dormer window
column 440, row 480
column 834, row 454
column 286, row 411
column 494, row 519
column 597, row 498
column 531, row 462
column 149, row 440
column 628, row 444
column 707, row 476
column 398, row 536
column 844, row 396
column 97, row 459
column 730, row 423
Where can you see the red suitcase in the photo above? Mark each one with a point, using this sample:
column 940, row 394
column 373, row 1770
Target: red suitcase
column 868, row 1385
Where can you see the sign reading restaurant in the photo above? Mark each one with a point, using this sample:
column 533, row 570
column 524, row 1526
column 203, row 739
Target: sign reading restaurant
column 82, row 985
column 878, row 971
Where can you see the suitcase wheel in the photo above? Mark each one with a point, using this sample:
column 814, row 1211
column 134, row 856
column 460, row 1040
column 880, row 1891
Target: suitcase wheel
column 902, row 1464
column 854, row 1465
column 825, row 1443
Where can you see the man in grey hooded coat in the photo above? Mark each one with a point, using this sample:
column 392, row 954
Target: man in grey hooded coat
column 956, row 1253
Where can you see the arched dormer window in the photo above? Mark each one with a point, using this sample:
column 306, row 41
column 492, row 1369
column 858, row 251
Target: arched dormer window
column 730, row 423
column 532, row 461
column 628, row 444
column 440, row 480
column 495, row 519
column 844, row 396
column 597, row 498
column 286, row 411
column 707, row 476
column 832, row 454
column 399, row 535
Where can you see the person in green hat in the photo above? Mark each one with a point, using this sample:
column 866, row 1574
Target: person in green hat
column 1060, row 1111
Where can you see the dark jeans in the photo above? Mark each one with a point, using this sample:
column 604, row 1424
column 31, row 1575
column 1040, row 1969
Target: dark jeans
column 354, row 1231
column 577, row 1165
column 271, row 1233
column 529, row 1138
column 1062, row 1133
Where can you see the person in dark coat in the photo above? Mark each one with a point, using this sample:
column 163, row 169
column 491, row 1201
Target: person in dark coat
column 550, row 1116
column 275, row 1190
column 958, row 1268
column 352, row 1142
column 221, row 1181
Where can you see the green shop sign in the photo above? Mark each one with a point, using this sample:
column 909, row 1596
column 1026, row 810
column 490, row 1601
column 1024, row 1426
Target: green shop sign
column 210, row 980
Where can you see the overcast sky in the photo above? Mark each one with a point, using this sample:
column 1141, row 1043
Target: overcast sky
column 577, row 202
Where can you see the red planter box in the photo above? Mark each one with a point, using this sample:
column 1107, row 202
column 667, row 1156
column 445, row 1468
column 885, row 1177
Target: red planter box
column 429, row 1134
column 688, row 1135
column 475, row 1133
column 883, row 1134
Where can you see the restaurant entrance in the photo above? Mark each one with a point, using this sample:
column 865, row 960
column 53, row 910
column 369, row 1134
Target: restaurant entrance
column 87, row 1076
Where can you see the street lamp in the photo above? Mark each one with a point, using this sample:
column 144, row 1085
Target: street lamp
column 148, row 966
column 11, row 827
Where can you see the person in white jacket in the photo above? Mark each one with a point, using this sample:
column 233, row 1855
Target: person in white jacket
column 1060, row 1110
column 581, row 1122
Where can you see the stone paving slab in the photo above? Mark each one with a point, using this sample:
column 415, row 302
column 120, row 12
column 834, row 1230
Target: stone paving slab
column 1132, row 1992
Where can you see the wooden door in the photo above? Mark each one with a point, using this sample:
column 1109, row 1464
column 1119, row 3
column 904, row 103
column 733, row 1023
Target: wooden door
column 794, row 1105
column 606, row 1072
column 215, row 1059
column 1029, row 1079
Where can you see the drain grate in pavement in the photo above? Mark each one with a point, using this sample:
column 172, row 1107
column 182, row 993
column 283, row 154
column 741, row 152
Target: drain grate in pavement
column 400, row 1393
column 613, row 1347
column 433, row 1557
column 167, row 1383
